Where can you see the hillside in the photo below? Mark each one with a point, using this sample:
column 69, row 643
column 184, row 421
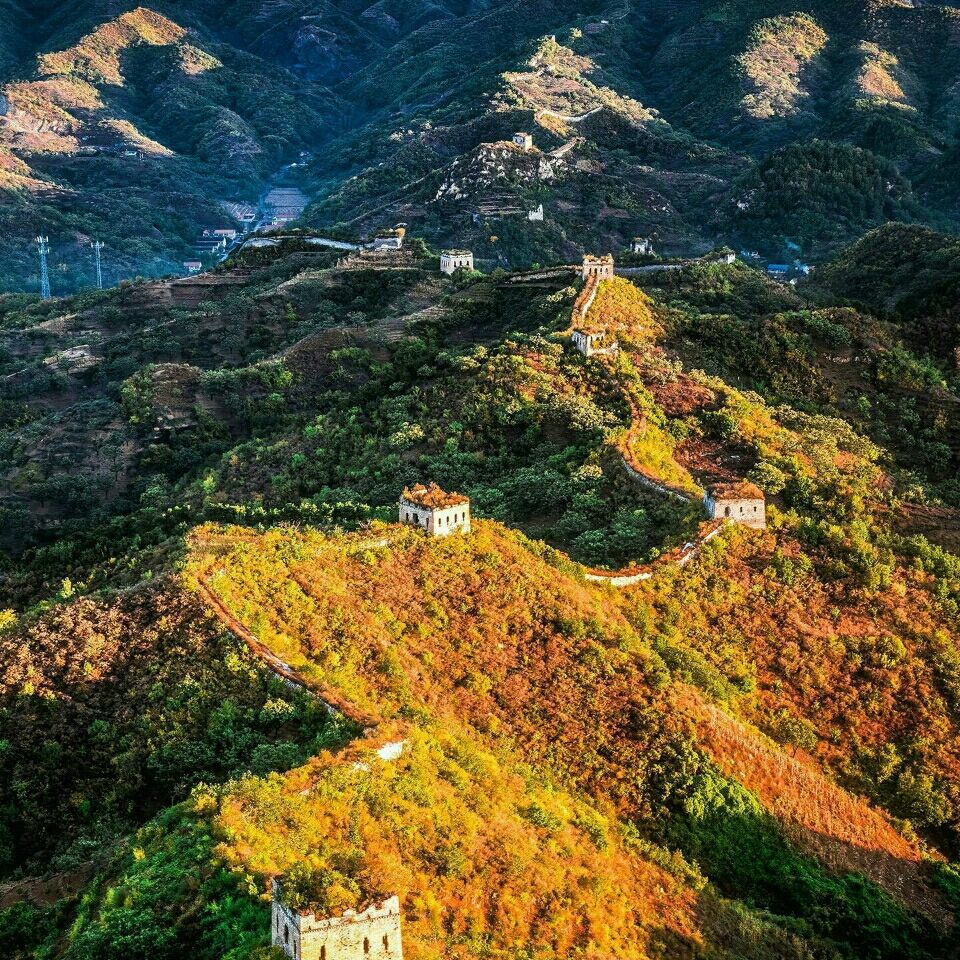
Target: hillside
column 810, row 124
column 755, row 742
column 136, row 130
column 908, row 272
column 531, row 642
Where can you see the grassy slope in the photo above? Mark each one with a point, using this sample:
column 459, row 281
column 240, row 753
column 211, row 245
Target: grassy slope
column 133, row 699
column 522, row 651
column 496, row 666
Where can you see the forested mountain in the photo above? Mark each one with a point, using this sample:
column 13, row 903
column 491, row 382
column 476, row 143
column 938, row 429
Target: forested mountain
column 604, row 721
column 752, row 753
column 785, row 128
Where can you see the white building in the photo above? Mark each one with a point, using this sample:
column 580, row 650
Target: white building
column 371, row 934
column 641, row 245
column 536, row 214
column 737, row 503
column 453, row 260
column 523, row 140
column 592, row 343
column 434, row 510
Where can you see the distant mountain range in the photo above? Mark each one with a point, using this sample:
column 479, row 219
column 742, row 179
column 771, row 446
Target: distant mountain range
column 789, row 129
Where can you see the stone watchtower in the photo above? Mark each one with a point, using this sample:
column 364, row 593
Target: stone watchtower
column 453, row 260
column 592, row 343
column 601, row 267
column 523, row 140
column 434, row 510
column 371, row 934
column 737, row 503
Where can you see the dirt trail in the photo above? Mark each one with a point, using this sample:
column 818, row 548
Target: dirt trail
column 44, row 891
column 333, row 701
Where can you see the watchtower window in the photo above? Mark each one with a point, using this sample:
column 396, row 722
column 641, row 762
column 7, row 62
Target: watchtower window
column 366, row 944
column 323, row 953
column 726, row 512
column 286, row 934
column 386, row 943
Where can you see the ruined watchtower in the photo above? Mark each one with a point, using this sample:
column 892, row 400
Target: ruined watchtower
column 434, row 510
column 371, row 934
column 737, row 503
column 592, row 343
column 389, row 239
column 523, row 140
column 601, row 267
column 453, row 260
column 641, row 245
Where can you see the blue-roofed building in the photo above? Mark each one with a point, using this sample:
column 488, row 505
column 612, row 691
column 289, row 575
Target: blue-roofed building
column 779, row 271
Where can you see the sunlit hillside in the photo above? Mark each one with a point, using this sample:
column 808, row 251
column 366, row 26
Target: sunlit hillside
column 611, row 719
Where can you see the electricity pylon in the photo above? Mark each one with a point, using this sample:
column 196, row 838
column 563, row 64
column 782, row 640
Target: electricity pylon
column 43, row 248
column 97, row 247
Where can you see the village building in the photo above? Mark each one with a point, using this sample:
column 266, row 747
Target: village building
column 523, row 140
column 241, row 212
column 192, row 266
column 389, row 239
column 778, row 271
column 210, row 245
column 601, row 267
column 592, row 343
column 227, row 232
column 737, row 503
column 641, row 245
column 536, row 214
column 371, row 934
column 434, row 510
column 453, row 260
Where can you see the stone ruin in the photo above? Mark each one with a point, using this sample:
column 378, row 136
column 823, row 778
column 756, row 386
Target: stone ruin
column 370, row 934
column 593, row 343
column 434, row 510
column 740, row 502
column 601, row 267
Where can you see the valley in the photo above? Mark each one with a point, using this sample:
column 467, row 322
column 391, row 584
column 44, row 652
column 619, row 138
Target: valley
column 503, row 500
column 838, row 106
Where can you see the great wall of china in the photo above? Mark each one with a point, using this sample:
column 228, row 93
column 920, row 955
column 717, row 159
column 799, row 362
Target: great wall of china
column 681, row 556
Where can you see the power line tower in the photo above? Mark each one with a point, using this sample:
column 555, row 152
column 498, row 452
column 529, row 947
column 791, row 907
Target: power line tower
column 44, row 249
column 97, row 247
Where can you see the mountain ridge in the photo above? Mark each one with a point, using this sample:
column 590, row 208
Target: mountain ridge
column 436, row 83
